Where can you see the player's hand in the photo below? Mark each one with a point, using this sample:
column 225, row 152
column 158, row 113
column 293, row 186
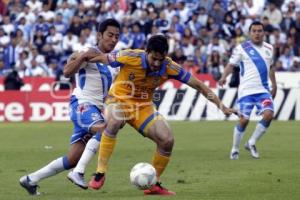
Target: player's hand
column 228, row 111
column 222, row 81
column 273, row 92
column 90, row 54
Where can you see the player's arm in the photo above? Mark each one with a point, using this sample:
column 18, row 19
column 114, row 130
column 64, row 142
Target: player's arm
column 76, row 59
column 234, row 61
column 273, row 81
column 209, row 94
column 228, row 70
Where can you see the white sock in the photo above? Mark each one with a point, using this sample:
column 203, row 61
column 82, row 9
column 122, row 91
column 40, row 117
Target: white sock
column 90, row 150
column 258, row 132
column 237, row 137
column 55, row 167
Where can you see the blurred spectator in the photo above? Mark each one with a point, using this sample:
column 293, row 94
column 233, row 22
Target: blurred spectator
column 23, row 63
column 34, row 5
column 59, row 24
column 76, row 26
column 10, row 54
column 178, row 56
column 287, row 58
column 55, row 39
column 139, row 38
column 4, row 70
column 68, row 41
column 217, row 13
column 274, row 14
column 190, row 66
column 251, row 10
column 214, row 65
column 7, row 26
column 278, row 66
column 215, row 45
column 12, row 81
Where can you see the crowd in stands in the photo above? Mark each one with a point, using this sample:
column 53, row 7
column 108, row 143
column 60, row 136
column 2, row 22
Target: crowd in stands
column 37, row 36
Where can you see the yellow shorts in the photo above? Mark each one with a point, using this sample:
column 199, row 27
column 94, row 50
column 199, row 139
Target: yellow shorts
column 139, row 115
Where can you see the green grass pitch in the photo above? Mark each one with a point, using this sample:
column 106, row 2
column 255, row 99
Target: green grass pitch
column 200, row 167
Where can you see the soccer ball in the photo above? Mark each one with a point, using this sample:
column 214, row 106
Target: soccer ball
column 143, row 176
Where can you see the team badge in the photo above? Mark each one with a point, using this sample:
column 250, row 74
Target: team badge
column 252, row 52
column 131, row 76
column 95, row 116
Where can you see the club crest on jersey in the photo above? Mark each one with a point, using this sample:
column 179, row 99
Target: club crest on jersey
column 131, row 76
column 82, row 108
column 266, row 102
column 95, row 116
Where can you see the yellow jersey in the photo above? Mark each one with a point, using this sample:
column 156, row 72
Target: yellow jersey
column 136, row 81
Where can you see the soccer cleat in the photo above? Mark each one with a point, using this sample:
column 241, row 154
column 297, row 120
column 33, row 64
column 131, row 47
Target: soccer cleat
column 97, row 181
column 77, row 179
column 157, row 189
column 31, row 189
column 252, row 149
column 234, row 155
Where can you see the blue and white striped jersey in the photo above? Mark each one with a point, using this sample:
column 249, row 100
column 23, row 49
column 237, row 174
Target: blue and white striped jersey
column 93, row 81
column 254, row 62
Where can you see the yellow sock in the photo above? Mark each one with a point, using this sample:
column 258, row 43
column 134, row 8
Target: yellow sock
column 160, row 162
column 107, row 145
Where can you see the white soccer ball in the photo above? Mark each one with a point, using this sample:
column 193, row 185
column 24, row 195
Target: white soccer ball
column 143, row 176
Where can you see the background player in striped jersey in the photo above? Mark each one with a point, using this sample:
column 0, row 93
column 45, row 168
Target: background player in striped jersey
column 92, row 83
column 255, row 58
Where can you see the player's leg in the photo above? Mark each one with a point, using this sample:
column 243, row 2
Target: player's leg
column 30, row 181
column 91, row 121
column 161, row 134
column 152, row 125
column 115, row 119
column 266, row 108
column 245, row 107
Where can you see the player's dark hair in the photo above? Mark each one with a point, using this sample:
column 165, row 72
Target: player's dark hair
column 158, row 43
column 108, row 22
column 256, row 23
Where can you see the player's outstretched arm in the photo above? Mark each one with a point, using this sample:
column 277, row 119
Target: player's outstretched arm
column 228, row 70
column 77, row 58
column 209, row 94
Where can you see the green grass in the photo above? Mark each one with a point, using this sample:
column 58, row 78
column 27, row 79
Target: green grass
column 199, row 169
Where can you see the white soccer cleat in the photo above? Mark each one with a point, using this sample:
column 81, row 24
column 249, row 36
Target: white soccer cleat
column 77, row 179
column 29, row 187
column 252, row 149
column 234, row 155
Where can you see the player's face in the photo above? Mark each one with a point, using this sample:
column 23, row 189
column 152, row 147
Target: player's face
column 108, row 40
column 155, row 60
column 257, row 34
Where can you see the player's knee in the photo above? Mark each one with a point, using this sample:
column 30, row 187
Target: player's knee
column 243, row 123
column 167, row 144
column 113, row 126
column 268, row 115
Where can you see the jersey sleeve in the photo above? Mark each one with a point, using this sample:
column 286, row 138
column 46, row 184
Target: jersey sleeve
column 176, row 72
column 122, row 57
column 236, row 56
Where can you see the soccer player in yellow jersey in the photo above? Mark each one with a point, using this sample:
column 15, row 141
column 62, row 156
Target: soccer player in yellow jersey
column 130, row 101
